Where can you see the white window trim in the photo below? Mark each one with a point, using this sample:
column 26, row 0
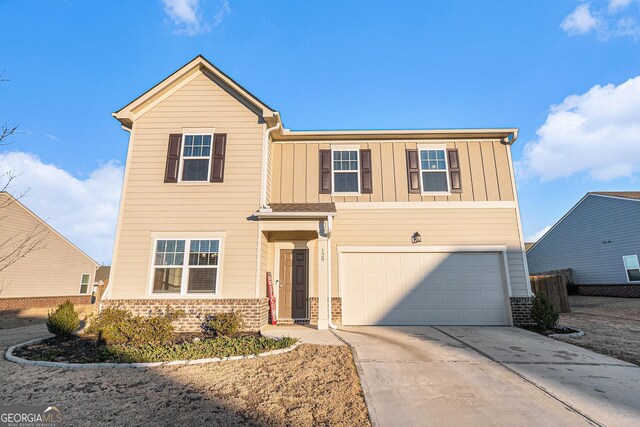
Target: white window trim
column 626, row 270
column 182, row 158
column 357, row 171
column 88, row 283
column 187, row 237
column 446, row 170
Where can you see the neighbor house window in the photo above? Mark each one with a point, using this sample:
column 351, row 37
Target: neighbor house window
column 433, row 171
column 84, row 283
column 186, row 266
column 196, row 157
column 345, row 171
column 632, row 267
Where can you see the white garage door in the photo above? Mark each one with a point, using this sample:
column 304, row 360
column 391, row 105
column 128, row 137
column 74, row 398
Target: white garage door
column 423, row 289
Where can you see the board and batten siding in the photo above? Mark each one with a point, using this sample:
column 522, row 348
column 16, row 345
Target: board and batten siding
column 150, row 205
column 577, row 242
column 438, row 227
column 54, row 270
column 484, row 167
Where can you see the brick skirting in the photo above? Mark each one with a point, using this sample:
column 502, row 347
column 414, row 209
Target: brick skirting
column 336, row 310
column 255, row 311
column 623, row 291
column 521, row 311
column 9, row 304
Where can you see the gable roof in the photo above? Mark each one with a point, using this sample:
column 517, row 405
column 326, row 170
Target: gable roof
column 13, row 200
column 629, row 195
column 133, row 110
column 139, row 106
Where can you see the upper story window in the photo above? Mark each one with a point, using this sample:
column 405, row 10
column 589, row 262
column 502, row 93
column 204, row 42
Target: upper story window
column 433, row 171
column 84, row 283
column 345, row 171
column 632, row 266
column 196, row 158
column 186, row 266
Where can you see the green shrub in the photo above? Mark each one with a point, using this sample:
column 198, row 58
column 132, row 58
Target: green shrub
column 118, row 326
column 199, row 349
column 64, row 320
column 543, row 313
column 222, row 324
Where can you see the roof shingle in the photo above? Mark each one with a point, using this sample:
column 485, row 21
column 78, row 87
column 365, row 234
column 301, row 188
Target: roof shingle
column 303, row 207
column 624, row 194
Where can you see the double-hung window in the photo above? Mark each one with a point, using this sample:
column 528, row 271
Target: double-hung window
column 632, row 267
column 196, row 158
column 434, row 176
column 346, row 175
column 186, row 266
column 84, row 283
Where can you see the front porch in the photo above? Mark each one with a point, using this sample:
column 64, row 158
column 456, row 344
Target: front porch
column 295, row 245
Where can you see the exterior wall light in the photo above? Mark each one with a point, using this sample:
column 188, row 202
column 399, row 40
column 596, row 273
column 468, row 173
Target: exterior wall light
column 416, row 238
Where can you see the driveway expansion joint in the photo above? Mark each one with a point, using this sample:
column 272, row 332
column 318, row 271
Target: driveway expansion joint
column 536, row 385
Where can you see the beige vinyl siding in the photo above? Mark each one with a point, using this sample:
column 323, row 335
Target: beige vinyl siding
column 54, row 270
column 438, row 227
column 151, row 206
column 484, row 168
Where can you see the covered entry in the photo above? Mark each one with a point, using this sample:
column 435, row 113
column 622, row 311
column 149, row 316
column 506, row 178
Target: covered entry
column 421, row 286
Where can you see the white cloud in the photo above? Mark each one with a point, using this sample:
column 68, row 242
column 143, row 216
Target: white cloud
column 580, row 21
column 618, row 5
column 602, row 21
column 51, row 137
column 83, row 210
column 221, row 13
column 597, row 132
column 536, row 236
column 188, row 17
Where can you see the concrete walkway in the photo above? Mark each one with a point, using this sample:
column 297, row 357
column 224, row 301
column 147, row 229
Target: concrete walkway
column 306, row 334
column 500, row 376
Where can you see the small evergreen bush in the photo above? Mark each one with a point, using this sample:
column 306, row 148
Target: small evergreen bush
column 222, row 324
column 543, row 313
column 115, row 325
column 64, row 320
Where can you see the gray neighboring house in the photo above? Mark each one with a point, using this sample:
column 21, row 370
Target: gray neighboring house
column 599, row 239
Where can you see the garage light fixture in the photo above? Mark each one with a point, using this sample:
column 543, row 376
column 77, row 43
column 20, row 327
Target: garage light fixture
column 416, row 238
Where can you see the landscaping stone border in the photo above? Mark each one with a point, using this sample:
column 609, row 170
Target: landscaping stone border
column 571, row 335
column 19, row 360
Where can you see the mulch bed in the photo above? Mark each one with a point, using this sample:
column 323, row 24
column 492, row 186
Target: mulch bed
column 547, row 332
column 87, row 349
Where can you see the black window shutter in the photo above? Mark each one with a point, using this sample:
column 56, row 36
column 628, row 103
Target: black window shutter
column 454, row 170
column 173, row 158
column 413, row 171
column 217, row 159
column 366, row 180
column 325, row 172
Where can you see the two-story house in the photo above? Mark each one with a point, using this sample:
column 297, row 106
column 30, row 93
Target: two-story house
column 392, row 227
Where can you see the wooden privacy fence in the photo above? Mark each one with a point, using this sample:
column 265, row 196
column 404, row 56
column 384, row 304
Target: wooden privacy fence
column 554, row 286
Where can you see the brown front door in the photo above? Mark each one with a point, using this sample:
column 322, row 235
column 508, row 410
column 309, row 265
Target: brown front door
column 294, row 279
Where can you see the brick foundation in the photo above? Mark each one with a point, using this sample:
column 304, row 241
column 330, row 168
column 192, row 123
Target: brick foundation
column 11, row 304
column 336, row 310
column 623, row 291
column 521, row 311
column 255, row 311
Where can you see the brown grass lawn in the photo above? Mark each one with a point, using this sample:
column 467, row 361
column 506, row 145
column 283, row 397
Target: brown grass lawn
column 611, row 325
column 313, row 385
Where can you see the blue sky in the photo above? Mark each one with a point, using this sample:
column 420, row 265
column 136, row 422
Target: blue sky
column 326, row 65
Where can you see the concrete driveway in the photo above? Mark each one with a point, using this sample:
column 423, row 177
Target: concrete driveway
column 419, row 375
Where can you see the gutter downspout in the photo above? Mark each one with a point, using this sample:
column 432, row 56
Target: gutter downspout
column 265, row 149
column 329, row 230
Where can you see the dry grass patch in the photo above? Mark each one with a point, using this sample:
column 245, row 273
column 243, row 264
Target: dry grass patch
column 611, row 325
column 313, row 385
